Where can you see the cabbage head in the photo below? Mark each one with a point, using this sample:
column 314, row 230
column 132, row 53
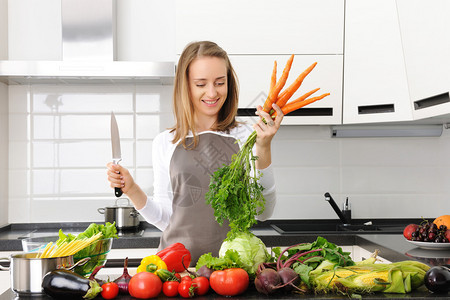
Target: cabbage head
column 251, row 249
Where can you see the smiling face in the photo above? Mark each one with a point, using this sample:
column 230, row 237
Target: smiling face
column 208, row 89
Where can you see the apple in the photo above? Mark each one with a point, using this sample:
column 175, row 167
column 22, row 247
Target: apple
column 407, row 232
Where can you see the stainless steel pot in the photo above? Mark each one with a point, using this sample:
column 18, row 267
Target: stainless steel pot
column 124, row 214
column 27, row 271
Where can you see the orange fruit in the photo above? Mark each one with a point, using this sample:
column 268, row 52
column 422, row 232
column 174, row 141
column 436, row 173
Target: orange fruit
column 442, row 220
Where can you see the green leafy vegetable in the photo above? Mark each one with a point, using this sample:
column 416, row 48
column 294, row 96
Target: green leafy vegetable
column 312, row 257
column 235, row 193
column 251, row 250
column 230, row 259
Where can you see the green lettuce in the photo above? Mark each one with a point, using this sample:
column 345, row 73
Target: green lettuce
column 251, row 250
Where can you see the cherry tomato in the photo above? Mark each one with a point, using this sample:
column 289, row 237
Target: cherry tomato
column 186, row 278
column 229, row 282
column 201, row 285
column 110, row 290
column 144, row 285
column 185, row 289
column 178, row 276
column 170, row 288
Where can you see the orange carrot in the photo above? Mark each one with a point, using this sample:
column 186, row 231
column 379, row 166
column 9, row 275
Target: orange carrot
column 287, row 93
column 273, row 95
column 273, row 80
column 290, row 107
column 303, row 97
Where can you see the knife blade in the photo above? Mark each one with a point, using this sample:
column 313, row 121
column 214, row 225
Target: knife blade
column 115, row 143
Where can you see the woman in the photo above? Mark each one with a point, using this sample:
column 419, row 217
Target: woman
column 202, row 140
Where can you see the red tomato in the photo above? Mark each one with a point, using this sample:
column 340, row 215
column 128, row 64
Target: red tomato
column 201, row 285
column 178, row 276
column 186, row 277
column 170, row 288
column 185, row 289
column 144, row 285
column 110, row 290
column 229, row 282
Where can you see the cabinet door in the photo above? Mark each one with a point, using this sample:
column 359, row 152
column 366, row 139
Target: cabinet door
column 425, row 30
column 263, row 26
column 375, row 85
column 254, row 72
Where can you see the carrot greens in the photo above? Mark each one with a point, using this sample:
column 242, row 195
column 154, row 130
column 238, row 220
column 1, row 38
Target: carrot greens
column 234, row 191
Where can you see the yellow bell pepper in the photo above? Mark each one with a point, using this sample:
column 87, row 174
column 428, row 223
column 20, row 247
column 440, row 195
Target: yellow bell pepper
column 151, row 264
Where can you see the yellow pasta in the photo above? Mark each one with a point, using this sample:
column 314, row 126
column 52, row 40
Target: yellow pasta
column 66, row 249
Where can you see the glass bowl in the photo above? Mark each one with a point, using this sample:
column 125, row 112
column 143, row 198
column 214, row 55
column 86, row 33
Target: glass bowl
column 36, row 244
column 98, row 253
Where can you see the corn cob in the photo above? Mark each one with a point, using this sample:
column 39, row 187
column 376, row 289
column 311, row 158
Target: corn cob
column 401, row 277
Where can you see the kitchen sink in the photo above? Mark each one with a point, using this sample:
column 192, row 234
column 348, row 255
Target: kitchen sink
column 292, row 228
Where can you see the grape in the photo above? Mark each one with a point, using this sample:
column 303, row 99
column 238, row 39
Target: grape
column 431, row 236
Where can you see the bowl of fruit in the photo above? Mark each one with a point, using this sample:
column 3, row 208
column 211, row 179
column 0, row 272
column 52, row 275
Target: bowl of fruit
column 430, row 235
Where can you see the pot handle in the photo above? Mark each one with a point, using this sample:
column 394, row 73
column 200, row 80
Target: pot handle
column 2, row 267
column 134, row 213
column 118, row 199
column 101, row 210
column 78, row 263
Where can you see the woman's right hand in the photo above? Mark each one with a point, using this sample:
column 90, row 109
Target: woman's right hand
column 120, row 177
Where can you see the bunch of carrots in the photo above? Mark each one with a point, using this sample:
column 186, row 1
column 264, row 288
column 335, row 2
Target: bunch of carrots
column 282, row 99
column 234, row 191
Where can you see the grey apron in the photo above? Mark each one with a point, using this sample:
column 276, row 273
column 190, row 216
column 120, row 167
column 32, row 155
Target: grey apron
column 192, row 222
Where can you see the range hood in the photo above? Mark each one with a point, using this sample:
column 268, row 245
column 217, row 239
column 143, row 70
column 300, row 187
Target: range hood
column 86, row 72
column 88, row 53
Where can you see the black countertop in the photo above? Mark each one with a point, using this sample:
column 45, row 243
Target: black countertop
column 392, row 246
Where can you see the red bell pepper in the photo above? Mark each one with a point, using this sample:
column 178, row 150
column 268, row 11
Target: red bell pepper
column 174, row 256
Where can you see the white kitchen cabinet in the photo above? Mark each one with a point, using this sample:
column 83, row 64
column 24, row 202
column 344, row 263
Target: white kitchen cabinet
column 425, row 31
column 263, row 26
column 254, row 72
column 375, row 84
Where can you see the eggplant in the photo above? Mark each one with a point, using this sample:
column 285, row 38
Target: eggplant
column 64, row 284
column 437, row 279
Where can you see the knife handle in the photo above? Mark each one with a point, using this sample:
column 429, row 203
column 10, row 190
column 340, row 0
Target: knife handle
column 118, row 192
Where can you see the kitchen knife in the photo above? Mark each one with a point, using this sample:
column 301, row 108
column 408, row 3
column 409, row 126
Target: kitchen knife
column 115, row 142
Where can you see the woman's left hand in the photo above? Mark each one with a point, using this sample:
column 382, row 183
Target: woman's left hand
column 266, row 130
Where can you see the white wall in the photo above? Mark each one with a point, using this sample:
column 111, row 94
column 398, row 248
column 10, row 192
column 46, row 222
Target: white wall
column 59, row 145
column 3, row 154
column 3, row 29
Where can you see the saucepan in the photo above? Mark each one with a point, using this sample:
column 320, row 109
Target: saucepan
column 27, row 271
column 123, row 213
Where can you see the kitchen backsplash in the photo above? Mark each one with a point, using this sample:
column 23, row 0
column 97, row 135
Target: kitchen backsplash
column 59, row 144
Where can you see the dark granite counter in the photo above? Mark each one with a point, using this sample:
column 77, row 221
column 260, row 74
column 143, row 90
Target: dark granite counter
column 392, row 246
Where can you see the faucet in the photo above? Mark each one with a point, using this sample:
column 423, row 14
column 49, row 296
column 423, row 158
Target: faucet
column 340, row 214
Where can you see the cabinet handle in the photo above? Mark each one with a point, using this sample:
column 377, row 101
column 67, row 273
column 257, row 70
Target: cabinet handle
column 432, row 101
column 310, row 111
column 376, row 109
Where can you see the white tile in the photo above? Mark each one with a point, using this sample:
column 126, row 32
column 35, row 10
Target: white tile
column 305, row 153
column 144, row 177
column 303, row 206
column 394, row 180
column 144, row 154
column 147, row 126
column 299, row 180
column 82, row 102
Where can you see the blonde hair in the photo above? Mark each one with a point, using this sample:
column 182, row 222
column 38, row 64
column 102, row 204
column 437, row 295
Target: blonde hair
column 182, row 104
